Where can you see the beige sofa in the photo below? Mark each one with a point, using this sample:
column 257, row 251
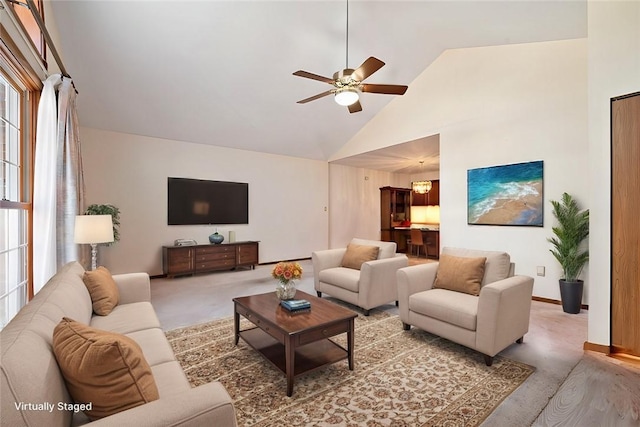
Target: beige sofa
column 374, row 284
column 488, row 323
column 30, row 376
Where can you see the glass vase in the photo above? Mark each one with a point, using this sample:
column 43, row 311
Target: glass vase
column 286, row 290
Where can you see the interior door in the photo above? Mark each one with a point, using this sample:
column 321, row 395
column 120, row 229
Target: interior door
column 625, row 231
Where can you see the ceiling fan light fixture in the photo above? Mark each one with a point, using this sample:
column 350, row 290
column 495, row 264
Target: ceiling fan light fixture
column 346, row 96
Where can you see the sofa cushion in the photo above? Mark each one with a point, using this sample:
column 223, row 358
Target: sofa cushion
column 128, row 318
column 105, row 369
column 170, row 378
column 103, row 290
column 497, row 266
column 155, row 347
column 346, row 278
column 357, row 254
column 26, row 358
column 460, row 274
column 455, row 308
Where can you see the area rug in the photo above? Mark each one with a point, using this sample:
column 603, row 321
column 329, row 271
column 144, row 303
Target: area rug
column 401, row 378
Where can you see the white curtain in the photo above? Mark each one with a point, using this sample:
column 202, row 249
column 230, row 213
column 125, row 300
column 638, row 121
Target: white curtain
column 44, row 186
column 58, row 181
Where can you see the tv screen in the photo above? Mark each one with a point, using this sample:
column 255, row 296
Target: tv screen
column 197, row 201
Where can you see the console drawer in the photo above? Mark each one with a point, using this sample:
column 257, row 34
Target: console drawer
column 215, row 264
column 215, row 249
column 214, row 256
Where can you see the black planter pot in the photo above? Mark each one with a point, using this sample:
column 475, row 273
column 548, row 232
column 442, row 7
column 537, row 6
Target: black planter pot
column 571, row 295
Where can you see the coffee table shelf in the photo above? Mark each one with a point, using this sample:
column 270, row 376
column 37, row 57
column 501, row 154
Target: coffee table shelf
column 308, row 357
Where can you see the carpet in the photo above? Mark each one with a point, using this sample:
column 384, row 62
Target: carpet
column 401, row 378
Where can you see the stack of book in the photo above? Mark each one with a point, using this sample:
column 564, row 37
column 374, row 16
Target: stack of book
column 296, row 305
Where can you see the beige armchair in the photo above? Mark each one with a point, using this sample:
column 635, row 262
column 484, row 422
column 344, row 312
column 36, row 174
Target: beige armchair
column 347, row 275
column 487, row 322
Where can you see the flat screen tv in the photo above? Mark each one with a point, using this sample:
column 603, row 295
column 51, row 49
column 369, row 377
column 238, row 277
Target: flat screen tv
column 197, row 201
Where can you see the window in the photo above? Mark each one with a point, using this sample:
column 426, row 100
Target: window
column 31, row 27
column 17, row 116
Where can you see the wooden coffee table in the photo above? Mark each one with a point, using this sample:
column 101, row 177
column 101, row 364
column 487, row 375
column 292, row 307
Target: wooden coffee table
column 295, row 343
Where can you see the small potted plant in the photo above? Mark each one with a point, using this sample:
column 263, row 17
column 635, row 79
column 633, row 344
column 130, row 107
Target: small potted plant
column 568, row 249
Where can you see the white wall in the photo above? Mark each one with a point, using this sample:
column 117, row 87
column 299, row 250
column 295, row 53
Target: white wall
column 287, row 196
column 492, row 106
column 354, row 195
column 614, row 70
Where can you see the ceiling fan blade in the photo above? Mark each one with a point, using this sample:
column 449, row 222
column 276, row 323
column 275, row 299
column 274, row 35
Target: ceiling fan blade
column 384, row 89
column 368, row 67
column 308, row 75
column 318, row 96
column 355, row 107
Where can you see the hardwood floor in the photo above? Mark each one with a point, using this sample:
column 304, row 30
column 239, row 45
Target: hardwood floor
column 599, row 391
column 554, row 346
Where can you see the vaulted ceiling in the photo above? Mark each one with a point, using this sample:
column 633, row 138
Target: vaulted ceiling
column 220, row 72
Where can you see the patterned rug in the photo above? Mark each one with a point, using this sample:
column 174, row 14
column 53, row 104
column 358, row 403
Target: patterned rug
column 401, row 378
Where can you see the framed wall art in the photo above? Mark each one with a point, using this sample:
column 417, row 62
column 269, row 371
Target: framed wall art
column 506, row 195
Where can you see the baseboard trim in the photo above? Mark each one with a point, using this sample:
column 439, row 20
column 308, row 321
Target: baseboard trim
column 598, row 348
column 555, row 301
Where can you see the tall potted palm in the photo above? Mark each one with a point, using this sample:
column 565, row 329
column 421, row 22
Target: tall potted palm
column 568, row 249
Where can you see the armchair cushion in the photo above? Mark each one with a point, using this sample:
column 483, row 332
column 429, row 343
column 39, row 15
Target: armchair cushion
column 455, row 308
column 460, row 274
column 357, row 254
column 387, row 249
column 497, row 267
column 346, row 278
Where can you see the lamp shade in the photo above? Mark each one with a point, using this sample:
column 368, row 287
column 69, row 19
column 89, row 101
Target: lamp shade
column 93, row 229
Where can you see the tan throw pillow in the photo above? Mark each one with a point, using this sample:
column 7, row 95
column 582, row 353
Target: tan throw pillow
column 105, row 369
column 103, row 290
column 357, row 254
column 460, row 274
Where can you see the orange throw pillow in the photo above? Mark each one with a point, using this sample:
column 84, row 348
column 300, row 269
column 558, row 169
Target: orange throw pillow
column 460, row 274
column 104, row 369
column 357, row 254
column 103, row 290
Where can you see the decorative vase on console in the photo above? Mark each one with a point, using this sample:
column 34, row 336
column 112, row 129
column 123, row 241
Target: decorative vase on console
column 286, row 273
column 216, row 238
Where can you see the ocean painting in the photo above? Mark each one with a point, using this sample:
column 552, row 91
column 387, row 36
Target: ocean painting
column 505, row 195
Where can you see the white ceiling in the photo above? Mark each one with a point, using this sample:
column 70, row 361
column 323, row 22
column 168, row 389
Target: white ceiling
column 220, row 72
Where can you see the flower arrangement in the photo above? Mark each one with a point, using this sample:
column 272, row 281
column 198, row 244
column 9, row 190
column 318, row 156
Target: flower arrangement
column 286, row 271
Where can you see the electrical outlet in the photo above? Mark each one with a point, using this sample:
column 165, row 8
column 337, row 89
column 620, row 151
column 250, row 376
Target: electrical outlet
column 540, row 270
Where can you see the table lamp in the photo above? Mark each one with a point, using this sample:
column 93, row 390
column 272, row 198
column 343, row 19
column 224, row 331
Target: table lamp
column 92, row 230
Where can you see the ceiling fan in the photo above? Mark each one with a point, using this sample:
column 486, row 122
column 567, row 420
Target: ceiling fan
column 348, row 83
